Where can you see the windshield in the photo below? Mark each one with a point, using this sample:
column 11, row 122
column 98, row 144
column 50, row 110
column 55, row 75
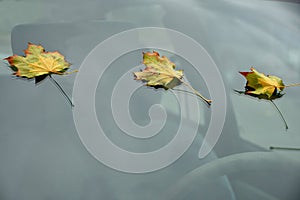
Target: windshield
column 125, row 140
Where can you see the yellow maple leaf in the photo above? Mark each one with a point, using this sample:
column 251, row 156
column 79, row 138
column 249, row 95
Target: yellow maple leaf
column 160, row 73
column 38, row 63
column 263, row 86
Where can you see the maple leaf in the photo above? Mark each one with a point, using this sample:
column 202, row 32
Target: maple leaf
column 160, row 73
column 265, row 87
column 39, row 64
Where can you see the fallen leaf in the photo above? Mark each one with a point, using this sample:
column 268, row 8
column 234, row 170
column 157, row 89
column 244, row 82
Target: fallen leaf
column 39, row 64
column 160, row 73
column 263, row 86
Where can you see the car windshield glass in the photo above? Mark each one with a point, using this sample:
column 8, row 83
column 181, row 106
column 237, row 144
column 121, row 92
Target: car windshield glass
column 138, row 130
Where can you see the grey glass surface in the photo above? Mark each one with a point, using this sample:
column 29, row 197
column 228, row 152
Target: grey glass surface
column 42, row 156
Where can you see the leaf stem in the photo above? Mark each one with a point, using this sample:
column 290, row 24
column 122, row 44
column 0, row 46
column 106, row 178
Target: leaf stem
column 208, row 101
column 284, row 148
column 285, row 123
column 179, row 90
column 292, row 85
column 61, row 90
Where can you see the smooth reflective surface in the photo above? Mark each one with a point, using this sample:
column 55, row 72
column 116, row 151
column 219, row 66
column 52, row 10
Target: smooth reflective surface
column 42, row 156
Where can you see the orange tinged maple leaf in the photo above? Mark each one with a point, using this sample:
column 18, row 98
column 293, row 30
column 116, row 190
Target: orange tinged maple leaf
column 39, row 64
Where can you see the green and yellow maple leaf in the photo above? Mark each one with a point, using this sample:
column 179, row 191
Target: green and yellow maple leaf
column 160, row 73
column 39, row 64
column 263, row 86
column 266, row 87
